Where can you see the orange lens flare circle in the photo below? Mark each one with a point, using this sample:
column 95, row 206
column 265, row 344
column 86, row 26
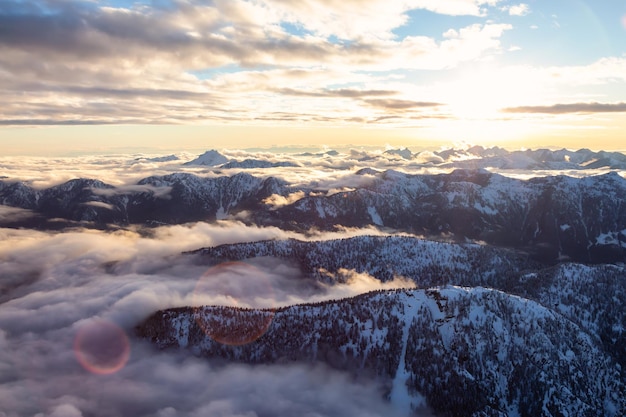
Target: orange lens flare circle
column 102, row 347
column 230, row 324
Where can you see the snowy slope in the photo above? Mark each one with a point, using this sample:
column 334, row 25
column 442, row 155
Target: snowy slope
column 465, row 352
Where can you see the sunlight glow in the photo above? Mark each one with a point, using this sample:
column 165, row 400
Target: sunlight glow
column 482, row 93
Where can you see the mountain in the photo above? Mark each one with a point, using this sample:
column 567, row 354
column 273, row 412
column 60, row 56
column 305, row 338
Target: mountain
column 404, row 153
column 166, row 158
column 209, row 158
column 591, row 296
column 426, row 262
column 172, row 199
column 193, row 198
column 478, row 157
column 489, row 332
column 552, row 218
column 459, row 351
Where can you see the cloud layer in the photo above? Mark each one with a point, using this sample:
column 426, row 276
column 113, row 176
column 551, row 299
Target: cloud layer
column 187, row 61
column 55, row 287
column 571, row 108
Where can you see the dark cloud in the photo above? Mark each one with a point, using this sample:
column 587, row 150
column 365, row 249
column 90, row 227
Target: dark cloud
column 570, row 108
column 343, row 92
column 61, row 122
column 392, row 104
column 88, row 33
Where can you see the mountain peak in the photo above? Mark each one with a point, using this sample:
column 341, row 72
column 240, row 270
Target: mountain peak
column 404, row 153
column 209, row 158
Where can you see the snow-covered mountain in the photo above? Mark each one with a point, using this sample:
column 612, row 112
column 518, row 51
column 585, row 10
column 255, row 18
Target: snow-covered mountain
column 214, row 158
column 569, row 288
column 512, row 300
column 209, row 158
column 489, row 332
column 165, row 158
column 459, row 351
column 479, row 157
column 172, row 199
column 553, row 218
column 426, row 262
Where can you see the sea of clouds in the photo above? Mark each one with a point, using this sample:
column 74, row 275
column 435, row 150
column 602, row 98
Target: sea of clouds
column 55, row 286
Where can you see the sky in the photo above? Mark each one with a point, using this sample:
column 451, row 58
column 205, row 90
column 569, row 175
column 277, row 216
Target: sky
column 87, row 75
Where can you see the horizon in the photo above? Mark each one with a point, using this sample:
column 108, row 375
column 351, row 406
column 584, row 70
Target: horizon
column 194, row 151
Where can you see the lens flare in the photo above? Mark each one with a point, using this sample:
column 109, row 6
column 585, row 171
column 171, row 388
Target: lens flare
column 230, row 324
column 624, row 21
column 101, row 347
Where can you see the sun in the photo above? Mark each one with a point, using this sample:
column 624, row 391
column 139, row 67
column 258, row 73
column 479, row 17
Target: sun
column 481, row 93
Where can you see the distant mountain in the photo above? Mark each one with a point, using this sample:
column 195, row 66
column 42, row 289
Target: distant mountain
column 404, row 153
column 563, row 159
column 215, row 159
column 320, row 154
column 166, row 158
column 459, row 351
column 209, row 158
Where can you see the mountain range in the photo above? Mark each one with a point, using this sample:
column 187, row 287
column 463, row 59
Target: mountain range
column 500, row 282
column 488, row 335
column 551, row 217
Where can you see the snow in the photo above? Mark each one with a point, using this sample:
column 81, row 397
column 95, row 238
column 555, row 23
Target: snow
column 375, row 216
column 221, row 214
column 607, row 239
column 485, row 209
column 209, row 158
column 320, row 209
column 400, row 397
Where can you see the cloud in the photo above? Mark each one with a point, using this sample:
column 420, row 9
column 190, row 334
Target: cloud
column 100, row 204
column 521, row 9
column 570, row 108
column 158, row 192
column 456, row 8
column 391, row 104
column 359, row 283
column 14, row 214
column 343, row 92
column 277, row 201
column 185, row 63
column 67, row 281
column 428, row 157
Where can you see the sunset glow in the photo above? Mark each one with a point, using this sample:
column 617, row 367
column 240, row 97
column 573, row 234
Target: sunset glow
column 195, row 74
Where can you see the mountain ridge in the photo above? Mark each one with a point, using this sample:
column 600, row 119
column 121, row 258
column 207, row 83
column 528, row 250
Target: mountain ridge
column 553, row 218
column 468, row 351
